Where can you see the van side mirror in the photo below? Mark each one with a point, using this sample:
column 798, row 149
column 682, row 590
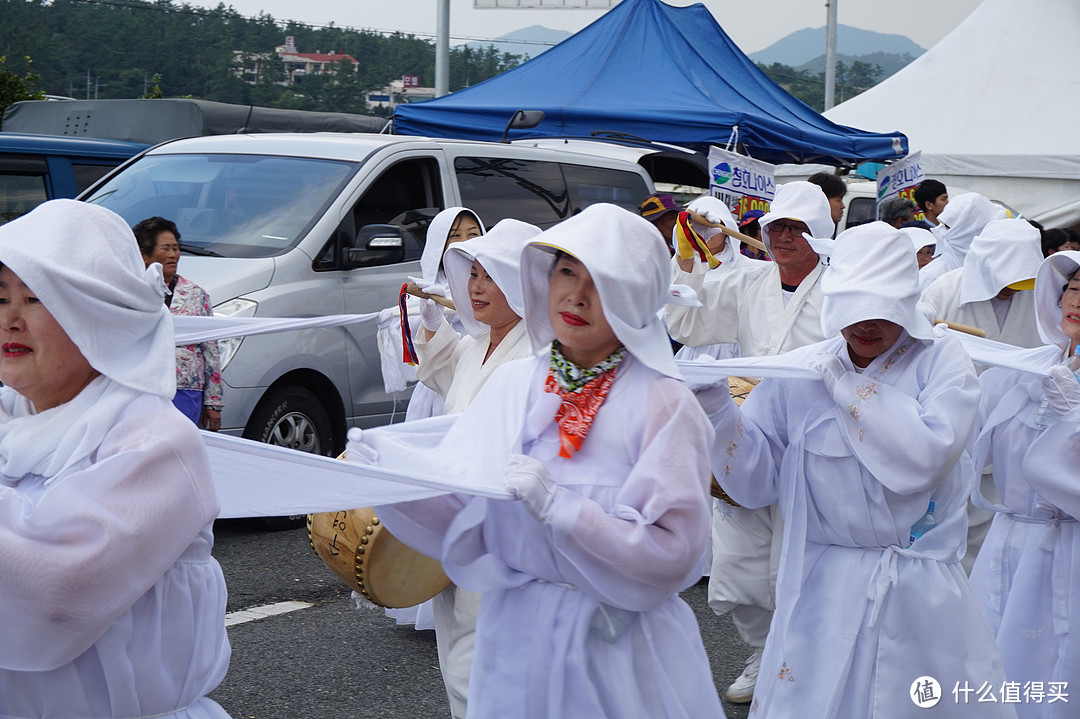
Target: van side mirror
column 522, row 120
column 375, row 245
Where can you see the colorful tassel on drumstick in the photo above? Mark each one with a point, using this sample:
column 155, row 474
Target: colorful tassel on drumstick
column 408, row 351
column 689, row 243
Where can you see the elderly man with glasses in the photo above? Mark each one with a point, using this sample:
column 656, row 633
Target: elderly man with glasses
column 768, row 308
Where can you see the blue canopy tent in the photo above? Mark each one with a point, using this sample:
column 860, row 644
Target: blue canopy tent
column 664, row 73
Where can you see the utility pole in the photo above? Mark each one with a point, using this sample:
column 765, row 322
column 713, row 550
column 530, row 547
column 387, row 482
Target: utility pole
column 830, row 54
column 442, row 49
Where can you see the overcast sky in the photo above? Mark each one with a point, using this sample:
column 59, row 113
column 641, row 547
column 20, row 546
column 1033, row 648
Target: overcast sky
column 752, row 25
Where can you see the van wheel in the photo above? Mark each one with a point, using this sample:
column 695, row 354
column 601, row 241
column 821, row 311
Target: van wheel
column 291, row 417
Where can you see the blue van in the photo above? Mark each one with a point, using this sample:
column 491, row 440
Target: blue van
column 36, row 168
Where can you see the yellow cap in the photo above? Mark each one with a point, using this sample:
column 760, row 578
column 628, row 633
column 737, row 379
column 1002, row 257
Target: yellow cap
column 1023, row 285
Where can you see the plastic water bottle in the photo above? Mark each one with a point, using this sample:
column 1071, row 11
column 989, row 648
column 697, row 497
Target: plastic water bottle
column 924, row 525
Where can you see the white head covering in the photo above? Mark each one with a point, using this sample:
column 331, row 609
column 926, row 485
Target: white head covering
column 437, row 232
column 1054, row 273
column 499, row 251
column 83, row 263
column 873, row 275
column 919, row 237
column 714, row 210
column 630, row 267
column 1004, row 252
column 801, row 201
column 965, row 216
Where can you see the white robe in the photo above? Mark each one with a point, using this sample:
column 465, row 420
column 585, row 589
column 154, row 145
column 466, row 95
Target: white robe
column 747, row 306
column 630, row 522
column 860, row 615
column 1025, row 575
column 112, row 604
column 1019, row 328
column 453, row 366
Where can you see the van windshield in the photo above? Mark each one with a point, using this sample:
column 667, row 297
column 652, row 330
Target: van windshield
column 228, row 205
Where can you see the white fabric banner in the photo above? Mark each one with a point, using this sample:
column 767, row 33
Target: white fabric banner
column 192, row 330
column 263, row 480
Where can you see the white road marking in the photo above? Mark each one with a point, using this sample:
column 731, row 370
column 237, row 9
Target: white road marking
column 267, row 610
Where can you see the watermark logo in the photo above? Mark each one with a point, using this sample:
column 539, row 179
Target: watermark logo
column 925, row 692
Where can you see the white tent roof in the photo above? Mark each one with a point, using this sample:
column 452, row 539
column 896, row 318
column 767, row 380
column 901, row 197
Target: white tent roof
column 993, row 107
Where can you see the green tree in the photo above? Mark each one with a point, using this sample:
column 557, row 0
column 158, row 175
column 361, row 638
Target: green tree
column 15, row 88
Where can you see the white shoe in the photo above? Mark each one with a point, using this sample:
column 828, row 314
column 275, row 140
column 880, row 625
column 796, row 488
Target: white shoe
column 741, row 690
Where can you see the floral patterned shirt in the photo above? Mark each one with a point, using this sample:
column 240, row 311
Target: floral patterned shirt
column 197, row 366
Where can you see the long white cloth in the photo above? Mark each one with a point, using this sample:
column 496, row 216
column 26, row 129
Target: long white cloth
column 112, row 605
column 1024, row 576
column 859, row 614
column 192, row 329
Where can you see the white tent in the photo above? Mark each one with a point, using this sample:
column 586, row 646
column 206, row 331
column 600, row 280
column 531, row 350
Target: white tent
column 994, row 107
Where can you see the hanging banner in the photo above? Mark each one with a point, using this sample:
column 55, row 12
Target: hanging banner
column 900, row 179
column 740, row 182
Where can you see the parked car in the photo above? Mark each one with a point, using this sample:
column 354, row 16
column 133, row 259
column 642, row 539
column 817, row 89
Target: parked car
column 281, row 225
column 36, row 168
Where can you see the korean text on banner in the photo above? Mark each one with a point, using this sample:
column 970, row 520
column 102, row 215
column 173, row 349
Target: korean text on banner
column 901, row 178
column 740, row 182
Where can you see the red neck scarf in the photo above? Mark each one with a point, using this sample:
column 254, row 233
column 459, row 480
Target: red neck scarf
column 578, row 409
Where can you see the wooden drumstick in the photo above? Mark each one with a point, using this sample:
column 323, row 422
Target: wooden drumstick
column 415, row 291
column 735, row 234
column 966, row 329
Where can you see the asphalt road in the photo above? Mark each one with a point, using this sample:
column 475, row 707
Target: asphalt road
column 334, row 661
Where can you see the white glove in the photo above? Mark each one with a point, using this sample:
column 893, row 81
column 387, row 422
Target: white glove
column 431, row 315
column 1061, row 390
column 430, row 288
column 830, row 368
column 529, row 480
column 358, row 451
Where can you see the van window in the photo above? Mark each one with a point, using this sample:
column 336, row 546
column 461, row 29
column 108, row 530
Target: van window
column 861, row 210
column 19, row 194
column 527, row 190
column 229, row 205
column 589, row 185
column 87, row 174
column 408, row 194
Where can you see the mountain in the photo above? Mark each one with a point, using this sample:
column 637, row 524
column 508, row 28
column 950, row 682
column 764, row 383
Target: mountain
column 803, row 46
column 889, row 62
column 527, row 42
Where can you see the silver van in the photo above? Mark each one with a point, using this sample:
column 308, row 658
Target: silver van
column 295, row 225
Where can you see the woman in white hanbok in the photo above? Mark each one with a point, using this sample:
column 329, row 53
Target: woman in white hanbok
column 606, row 451
column 452, row 225
column 112, row 605
column 854, row 459
column 483, row 273
column 1029, row 431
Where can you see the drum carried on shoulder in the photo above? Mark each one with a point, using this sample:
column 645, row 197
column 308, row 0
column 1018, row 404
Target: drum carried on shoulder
column 739, row 388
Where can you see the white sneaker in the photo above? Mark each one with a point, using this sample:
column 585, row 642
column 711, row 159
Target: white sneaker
column 741, row 690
